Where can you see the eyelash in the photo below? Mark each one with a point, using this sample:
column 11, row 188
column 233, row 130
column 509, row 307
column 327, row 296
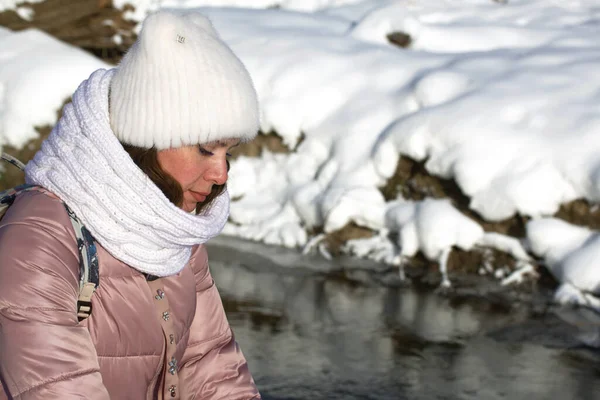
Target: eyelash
column 205, row 152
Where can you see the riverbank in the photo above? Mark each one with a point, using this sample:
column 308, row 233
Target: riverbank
column 530, row 296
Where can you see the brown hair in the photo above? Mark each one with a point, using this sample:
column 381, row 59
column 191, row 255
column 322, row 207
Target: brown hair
column 147, row 161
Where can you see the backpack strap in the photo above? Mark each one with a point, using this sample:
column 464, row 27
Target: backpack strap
column 89, row 276
column 14, row 161
column 7, row 197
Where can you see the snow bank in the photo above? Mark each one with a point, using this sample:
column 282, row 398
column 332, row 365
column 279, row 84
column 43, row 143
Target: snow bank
column 504, row 113
column 142, row 7
column 572, row 254
column 502, row 98
column 431, row 226
column 37, row 74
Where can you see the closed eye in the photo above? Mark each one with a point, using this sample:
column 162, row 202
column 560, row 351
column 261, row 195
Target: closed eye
column 205, row 152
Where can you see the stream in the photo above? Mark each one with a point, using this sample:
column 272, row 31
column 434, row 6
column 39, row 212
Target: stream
column 308, row 333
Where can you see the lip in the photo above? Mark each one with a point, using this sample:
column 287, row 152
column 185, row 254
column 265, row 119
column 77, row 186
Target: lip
column 199, row 196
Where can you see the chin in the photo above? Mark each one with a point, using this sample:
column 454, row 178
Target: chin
column 190, row 207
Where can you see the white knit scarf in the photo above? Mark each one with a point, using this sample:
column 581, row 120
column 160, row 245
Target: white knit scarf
column 84, row 164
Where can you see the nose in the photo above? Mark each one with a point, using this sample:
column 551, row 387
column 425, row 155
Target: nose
column 217, row 173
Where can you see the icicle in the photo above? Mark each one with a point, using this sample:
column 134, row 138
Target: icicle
column 399, row 261
column 324, row 252
column 312, row 243
column 443, row 261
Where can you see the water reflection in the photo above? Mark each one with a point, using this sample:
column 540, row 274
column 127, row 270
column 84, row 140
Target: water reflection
column 308, row 337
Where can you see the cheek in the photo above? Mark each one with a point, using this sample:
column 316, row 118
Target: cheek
column 185, row 166
column 187, row 176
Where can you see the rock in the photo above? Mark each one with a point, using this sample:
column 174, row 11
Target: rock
column 580, row 212
column 412, row 181
column 335, row 240
column 400, row 39
column 269, row 141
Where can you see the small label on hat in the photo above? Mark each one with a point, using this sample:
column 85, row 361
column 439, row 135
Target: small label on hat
column 180, row 39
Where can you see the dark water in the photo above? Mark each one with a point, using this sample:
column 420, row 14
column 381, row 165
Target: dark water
column 307, row 336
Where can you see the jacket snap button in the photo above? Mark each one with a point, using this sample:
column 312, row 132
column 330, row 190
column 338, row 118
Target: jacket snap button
column 172, row 390
column 165, row 315
column 172, row 366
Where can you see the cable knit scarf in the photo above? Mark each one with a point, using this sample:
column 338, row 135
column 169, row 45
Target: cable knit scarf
column 84, row 164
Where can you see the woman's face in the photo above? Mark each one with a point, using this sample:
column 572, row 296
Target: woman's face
column 197, row 168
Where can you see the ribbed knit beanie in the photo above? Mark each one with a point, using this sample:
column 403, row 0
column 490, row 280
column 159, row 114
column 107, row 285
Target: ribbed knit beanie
column 179, row 85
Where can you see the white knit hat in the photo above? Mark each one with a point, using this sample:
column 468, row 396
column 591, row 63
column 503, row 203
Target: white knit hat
column 180, row 84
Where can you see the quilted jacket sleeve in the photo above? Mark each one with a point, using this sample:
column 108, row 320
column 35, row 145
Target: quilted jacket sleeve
column 44, row 352
column 214, row 366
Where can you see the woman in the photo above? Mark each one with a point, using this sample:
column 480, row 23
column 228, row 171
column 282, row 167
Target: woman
column 140, row 156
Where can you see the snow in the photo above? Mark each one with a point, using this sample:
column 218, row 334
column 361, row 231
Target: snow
column 478, row 115
column 554, row 239
column 141, row 8
column 431, row 226
column 31, row 91
column 297, row 5
column 506, row 244
column 501, row 98
column 26, row 13
column 14, row 4
column 572, row 254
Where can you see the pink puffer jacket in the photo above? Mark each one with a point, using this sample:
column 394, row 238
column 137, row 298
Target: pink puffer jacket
column 162, row 339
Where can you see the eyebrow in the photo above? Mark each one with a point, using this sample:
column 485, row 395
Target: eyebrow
column 221, row 143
